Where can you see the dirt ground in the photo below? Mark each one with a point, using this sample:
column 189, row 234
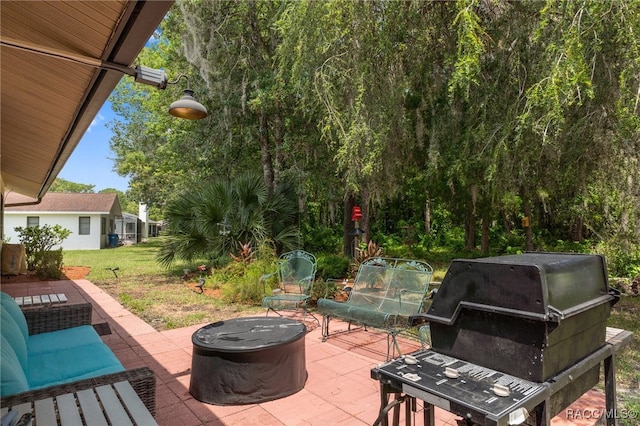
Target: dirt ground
column 68, row 273
column 80, row 272
column 215, row 293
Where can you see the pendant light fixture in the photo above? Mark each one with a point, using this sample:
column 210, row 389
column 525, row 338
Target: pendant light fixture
column 187, row 107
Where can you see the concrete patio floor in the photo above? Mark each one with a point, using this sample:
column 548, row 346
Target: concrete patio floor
column 338, row 391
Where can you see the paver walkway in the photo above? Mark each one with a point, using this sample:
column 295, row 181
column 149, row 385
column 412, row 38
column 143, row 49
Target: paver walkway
column 338, row 391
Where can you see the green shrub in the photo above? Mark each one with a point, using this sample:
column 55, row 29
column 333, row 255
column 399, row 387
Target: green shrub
column 322, row 288
column 509, row 243
column 39, row 239
column 621, row 262
column 239, row 282
column 48, row 264
column 572, row 246
column 321, row 239
column 243, row 284
column 453, row 239
column 332, row 266
column 398, row 250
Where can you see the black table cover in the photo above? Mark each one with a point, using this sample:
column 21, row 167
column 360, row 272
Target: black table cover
column 248, row 360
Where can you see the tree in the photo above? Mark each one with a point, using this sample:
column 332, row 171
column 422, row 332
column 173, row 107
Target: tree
column 126, row 204
column 236, row 63
column 214, row 219
column 348, row 62
column 497, row 109
column 62, row 185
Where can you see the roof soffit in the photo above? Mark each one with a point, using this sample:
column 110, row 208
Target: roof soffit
column 48, row 103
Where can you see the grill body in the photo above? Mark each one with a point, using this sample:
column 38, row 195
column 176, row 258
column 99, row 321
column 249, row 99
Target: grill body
column 530, row 315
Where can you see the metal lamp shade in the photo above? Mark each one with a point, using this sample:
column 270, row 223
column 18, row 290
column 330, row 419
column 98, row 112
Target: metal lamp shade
column 187, row 107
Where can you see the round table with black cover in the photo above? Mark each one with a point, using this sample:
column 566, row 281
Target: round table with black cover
column 248, row 360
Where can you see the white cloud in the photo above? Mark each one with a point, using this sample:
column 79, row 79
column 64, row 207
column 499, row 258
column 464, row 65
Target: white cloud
column 97, row 120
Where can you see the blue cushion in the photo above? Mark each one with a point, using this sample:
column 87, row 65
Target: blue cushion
column 14, row 310
column 69, row 365
column 13, row 377
column 48, row 359
column 55, row 341
column 14, row 337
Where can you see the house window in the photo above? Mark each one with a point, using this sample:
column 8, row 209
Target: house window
column 84, row 227
column 103, row 226
column 33, row 221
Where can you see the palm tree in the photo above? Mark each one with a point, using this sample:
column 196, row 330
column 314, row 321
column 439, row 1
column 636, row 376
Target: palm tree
column 241, row 206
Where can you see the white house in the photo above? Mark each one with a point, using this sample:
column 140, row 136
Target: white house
column 91, row 218
column 129, row 228
column 148, row 228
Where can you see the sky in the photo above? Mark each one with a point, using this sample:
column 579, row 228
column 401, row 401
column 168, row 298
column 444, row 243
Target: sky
column 91, row 162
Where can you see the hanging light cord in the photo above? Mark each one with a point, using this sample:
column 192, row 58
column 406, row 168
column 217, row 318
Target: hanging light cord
column 68, row 56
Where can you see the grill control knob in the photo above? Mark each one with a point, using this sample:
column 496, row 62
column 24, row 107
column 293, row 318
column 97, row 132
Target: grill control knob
column 451, row 373
column 501, row 390
column 408, row 359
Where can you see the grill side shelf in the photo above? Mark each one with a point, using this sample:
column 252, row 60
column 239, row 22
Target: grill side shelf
column 472, row 389
column 466, row 389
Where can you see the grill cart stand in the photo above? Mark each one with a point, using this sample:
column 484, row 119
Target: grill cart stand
column 487, row 397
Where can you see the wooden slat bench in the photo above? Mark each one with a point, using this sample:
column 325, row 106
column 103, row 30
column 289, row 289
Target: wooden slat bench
column 109, row 404
column 43, row 299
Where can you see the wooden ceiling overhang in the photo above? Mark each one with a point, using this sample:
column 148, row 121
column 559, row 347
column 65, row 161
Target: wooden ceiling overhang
column 51, row 80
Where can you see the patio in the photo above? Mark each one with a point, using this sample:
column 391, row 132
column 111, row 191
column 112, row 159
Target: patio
column 338, row 390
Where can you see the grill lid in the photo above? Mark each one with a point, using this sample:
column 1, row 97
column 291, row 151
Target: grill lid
column 539, row 286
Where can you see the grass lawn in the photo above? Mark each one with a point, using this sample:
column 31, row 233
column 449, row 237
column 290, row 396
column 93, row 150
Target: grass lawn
column 159, row 296
column 165, row 300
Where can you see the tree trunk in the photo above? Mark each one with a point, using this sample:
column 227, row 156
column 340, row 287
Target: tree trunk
column 330, row 218
column 265, row 159
column 364, row 223
column 506, row 222
column 470, row 228
column 485, row 232
column 277, row 139
column 527, row 229
column 427, row 215
column 347, row 225
column 470, row 218
column 577, row 231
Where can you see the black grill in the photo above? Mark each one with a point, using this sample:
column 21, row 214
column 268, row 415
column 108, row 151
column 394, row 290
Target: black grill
column 530, row 315
column 514, row 339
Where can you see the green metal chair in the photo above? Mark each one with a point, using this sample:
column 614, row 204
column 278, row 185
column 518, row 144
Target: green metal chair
column 296, row 272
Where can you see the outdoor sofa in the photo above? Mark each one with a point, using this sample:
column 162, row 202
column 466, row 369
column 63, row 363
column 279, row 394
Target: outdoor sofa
column 53, row 350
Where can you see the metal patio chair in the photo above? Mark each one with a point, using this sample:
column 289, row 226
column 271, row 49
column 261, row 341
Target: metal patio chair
column 296, row 272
